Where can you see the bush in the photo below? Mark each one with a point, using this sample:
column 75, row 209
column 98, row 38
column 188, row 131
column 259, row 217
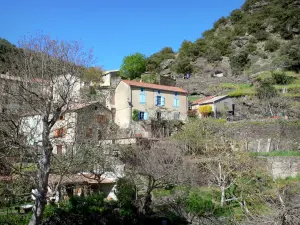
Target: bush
column 214, row 55
column 251, row 48
column 221, row 21
column 272, row 45
column 266, row 90
column 205, row 110
column 135, row 115
column 261, row 35
column 183, row 66
column 192, row 113
column 281, row 78
column 236, row 15
column 153, row 61
column 239, row 62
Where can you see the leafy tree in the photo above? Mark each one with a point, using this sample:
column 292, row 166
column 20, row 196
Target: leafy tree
column 94, row 74
column 221, row 21
column 188, row 50
column 183, row 66
column 292, row 53
column 238, row 62
column 153, row 61
column 236, row 15
column 133, row 66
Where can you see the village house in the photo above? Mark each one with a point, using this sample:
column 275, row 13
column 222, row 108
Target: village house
column 84, row 123
column 220, row 105
column 148, row 101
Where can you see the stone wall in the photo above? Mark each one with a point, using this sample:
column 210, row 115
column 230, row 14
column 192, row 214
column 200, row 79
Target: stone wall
column 282, row 167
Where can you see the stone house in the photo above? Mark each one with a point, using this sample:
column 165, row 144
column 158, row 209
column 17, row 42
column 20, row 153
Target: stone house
column 82, row 123
column 149, row 101
column 219, row 105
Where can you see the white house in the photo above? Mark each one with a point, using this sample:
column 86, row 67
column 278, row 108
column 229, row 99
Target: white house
column 219, row 104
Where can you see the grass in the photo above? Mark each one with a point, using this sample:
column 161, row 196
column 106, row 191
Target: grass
column 192, row 98
column 276, row 153
column 238, row 90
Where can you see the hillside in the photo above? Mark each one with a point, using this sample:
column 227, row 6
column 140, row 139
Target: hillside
column 245, row 47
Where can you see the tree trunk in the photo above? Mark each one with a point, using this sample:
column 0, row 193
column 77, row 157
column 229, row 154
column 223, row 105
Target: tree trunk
column 42, row 176
column 222, row 196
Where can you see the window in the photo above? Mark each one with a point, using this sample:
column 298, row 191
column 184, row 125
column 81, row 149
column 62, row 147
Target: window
column 158, row 115
column 176, row 115
column 59, row 149
column 159, row 101
column 58, row 133
column 142, row 96
column 102, row 119
column 89, row 132
column 176, row 100
column 143, row 116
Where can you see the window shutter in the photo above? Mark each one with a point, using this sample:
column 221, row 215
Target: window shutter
column 56, row 133
column 156, row 101
column 174, row 102
column 145, row 116
column 141, row 98
column 162, row 101
column 177, row 102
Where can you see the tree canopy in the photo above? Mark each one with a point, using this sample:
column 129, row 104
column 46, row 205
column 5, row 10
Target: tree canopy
column 133, row 66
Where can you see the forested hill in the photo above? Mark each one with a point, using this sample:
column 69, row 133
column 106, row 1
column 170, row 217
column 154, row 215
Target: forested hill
column 262, row 35
column 6, row 51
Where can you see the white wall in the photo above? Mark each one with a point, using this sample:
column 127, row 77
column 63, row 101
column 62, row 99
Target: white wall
column 123, row 108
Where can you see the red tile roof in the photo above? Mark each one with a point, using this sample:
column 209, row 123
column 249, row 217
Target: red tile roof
column 154, row 86
column 201, row 100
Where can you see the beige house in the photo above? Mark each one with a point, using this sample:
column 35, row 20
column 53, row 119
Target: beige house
column 149, row 101
column 219, row 105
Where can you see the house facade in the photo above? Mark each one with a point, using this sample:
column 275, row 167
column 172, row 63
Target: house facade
column 145, row 101
column 81, row 124
column 219, row 105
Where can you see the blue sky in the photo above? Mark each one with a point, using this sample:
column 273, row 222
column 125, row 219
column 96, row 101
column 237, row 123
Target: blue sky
column 114, row 28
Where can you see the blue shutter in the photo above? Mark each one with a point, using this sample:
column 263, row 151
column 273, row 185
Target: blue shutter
column 162, row 101
column 145, row 116
column 175, row 102
column 144, row 98
column 141, row 98
column 156, row 102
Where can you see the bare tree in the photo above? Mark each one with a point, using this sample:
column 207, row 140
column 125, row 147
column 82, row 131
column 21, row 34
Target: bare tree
column 156, row 167
column 46, row 78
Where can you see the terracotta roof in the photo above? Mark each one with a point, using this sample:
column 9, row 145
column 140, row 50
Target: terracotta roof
column 77, row 179
column 201, row 100
column 154, row 86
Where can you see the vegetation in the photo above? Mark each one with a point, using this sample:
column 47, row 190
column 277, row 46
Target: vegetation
column 205, row 110
column 133, row 66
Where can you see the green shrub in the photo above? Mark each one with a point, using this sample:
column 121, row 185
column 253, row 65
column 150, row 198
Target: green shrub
column 135, row 115
column 239, row 62
column 154, row 61
column 183, row 66
column 261, row 35
column 236, row 15
column 272, row 45
column 251, row 48
column 222, row 21
column 266, row 90
column 281, row 78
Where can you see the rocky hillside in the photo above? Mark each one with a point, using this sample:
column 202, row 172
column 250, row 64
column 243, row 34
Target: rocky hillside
column 252, row 39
